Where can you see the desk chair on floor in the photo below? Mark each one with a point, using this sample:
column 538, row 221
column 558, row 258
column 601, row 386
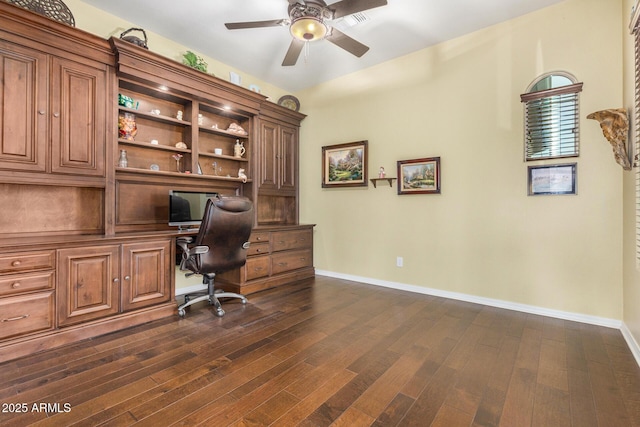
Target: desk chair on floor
column 221, row 245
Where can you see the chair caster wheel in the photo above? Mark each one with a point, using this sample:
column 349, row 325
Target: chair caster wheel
column 219, row 313
column 186, row 299
column 181, row 313
column 244, row 300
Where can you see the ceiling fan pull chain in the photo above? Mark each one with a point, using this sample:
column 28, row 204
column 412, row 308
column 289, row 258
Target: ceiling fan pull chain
column 306, row 52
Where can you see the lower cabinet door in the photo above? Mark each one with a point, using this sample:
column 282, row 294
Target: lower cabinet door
column 24, row 314
column 146, row 274
column 88, row 283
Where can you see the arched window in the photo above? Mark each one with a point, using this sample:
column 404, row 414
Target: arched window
column 551, row 117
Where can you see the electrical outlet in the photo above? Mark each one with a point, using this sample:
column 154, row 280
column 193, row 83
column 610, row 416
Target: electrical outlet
column 399, row 261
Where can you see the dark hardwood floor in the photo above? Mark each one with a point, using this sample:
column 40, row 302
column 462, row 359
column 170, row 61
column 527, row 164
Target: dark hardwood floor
column 332, row 352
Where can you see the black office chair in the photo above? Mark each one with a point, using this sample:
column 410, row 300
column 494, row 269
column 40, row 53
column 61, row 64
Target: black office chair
column 221, row 245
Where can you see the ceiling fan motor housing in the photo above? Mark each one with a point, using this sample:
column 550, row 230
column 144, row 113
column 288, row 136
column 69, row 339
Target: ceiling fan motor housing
column 307, row 20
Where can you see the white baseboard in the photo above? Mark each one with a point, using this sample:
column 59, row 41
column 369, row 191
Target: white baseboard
column 631, row 342
column 576, row 317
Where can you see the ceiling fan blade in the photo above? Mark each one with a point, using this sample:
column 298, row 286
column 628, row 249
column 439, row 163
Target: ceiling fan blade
column 342, row 40
column 255, row 24
column 293, row 53
column 349, row 7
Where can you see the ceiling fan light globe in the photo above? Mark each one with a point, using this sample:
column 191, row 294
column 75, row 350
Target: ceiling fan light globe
column 308, row 29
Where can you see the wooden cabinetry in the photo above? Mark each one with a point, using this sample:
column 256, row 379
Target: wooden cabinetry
column 201, row 111
column 85, row 245
column 26, row 293
column 277, row 148
column 100, row 281
column 277, row 255
column 164, row 120
column 56, row 107
column 88, row 283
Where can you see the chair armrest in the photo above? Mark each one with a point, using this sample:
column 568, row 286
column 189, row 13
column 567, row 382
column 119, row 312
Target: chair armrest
column 197, row 250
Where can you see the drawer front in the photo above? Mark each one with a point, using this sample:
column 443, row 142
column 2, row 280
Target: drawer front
column 285, row 240
column 258, row 249
column 27, row 261
column 26, row 282
column 25, row 314
column 257, row 267
column 259, row 237
column 290, row 261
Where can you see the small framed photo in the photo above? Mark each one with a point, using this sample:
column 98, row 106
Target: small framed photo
column 419, row 176
column 344, row 165
column 552, row 179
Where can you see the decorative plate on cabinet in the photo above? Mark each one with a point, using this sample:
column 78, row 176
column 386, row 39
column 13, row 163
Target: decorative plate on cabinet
column 290, row 102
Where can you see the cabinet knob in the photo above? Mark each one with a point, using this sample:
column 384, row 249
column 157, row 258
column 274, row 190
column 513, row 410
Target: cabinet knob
column 15, row 285
column 16, row 263
column 41, row 112
column 116, row 280
column 127, row 277
column 56, row 114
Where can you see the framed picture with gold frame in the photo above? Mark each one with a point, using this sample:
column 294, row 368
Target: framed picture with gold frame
column 345, row 165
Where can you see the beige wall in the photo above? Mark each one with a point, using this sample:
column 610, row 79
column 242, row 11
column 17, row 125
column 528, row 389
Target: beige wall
column 483, row 235
column 631, row 288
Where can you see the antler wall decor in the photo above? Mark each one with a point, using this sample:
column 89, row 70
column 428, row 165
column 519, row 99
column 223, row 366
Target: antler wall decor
column 615, row 127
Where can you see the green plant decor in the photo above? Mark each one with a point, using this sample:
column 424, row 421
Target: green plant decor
column 194, row 61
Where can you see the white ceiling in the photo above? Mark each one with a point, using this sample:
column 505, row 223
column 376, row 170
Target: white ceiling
column 399, row 28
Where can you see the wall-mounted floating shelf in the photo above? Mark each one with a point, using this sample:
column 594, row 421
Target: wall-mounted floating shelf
column 374, row 181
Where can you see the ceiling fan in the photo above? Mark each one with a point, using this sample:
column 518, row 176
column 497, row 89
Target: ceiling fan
column 309, row 20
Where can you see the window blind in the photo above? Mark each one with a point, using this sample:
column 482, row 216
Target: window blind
column 636, row 33
column 552, row 120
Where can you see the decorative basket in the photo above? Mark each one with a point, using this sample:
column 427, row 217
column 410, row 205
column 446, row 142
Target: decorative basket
column 135, row 40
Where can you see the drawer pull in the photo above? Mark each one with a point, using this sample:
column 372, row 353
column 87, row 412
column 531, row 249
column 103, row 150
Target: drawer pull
column 13, row 319
column 282, row 264
column 281, row 242
column 15, row 285
column 116, row 280
column 303, row 259
column 258, row 269
column 258, row 250
column 127, row 277
column 16, row 263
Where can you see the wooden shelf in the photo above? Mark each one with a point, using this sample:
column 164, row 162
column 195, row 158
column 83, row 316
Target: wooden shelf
column 181, row 174
column 153, row 146
column 152, row 116
column 374, row 181
column 222, row 156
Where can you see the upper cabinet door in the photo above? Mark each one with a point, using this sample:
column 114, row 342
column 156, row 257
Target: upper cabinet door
column 23, row 108
column 268, row 152
column 288, row 158
column 78, row 117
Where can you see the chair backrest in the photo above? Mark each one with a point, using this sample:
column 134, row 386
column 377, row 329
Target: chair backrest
column 225, row 229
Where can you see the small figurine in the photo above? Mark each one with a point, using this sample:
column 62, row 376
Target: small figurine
column 242, row 175
column 179, row 115
column 381, row 173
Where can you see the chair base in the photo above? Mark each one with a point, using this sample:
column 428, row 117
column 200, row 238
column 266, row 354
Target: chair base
column 212, row 296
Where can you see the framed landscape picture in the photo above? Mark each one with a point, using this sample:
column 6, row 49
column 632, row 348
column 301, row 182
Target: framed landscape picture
column 419, row 176
column 344, row 165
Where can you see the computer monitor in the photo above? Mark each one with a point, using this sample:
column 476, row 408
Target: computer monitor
column 186, row 208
